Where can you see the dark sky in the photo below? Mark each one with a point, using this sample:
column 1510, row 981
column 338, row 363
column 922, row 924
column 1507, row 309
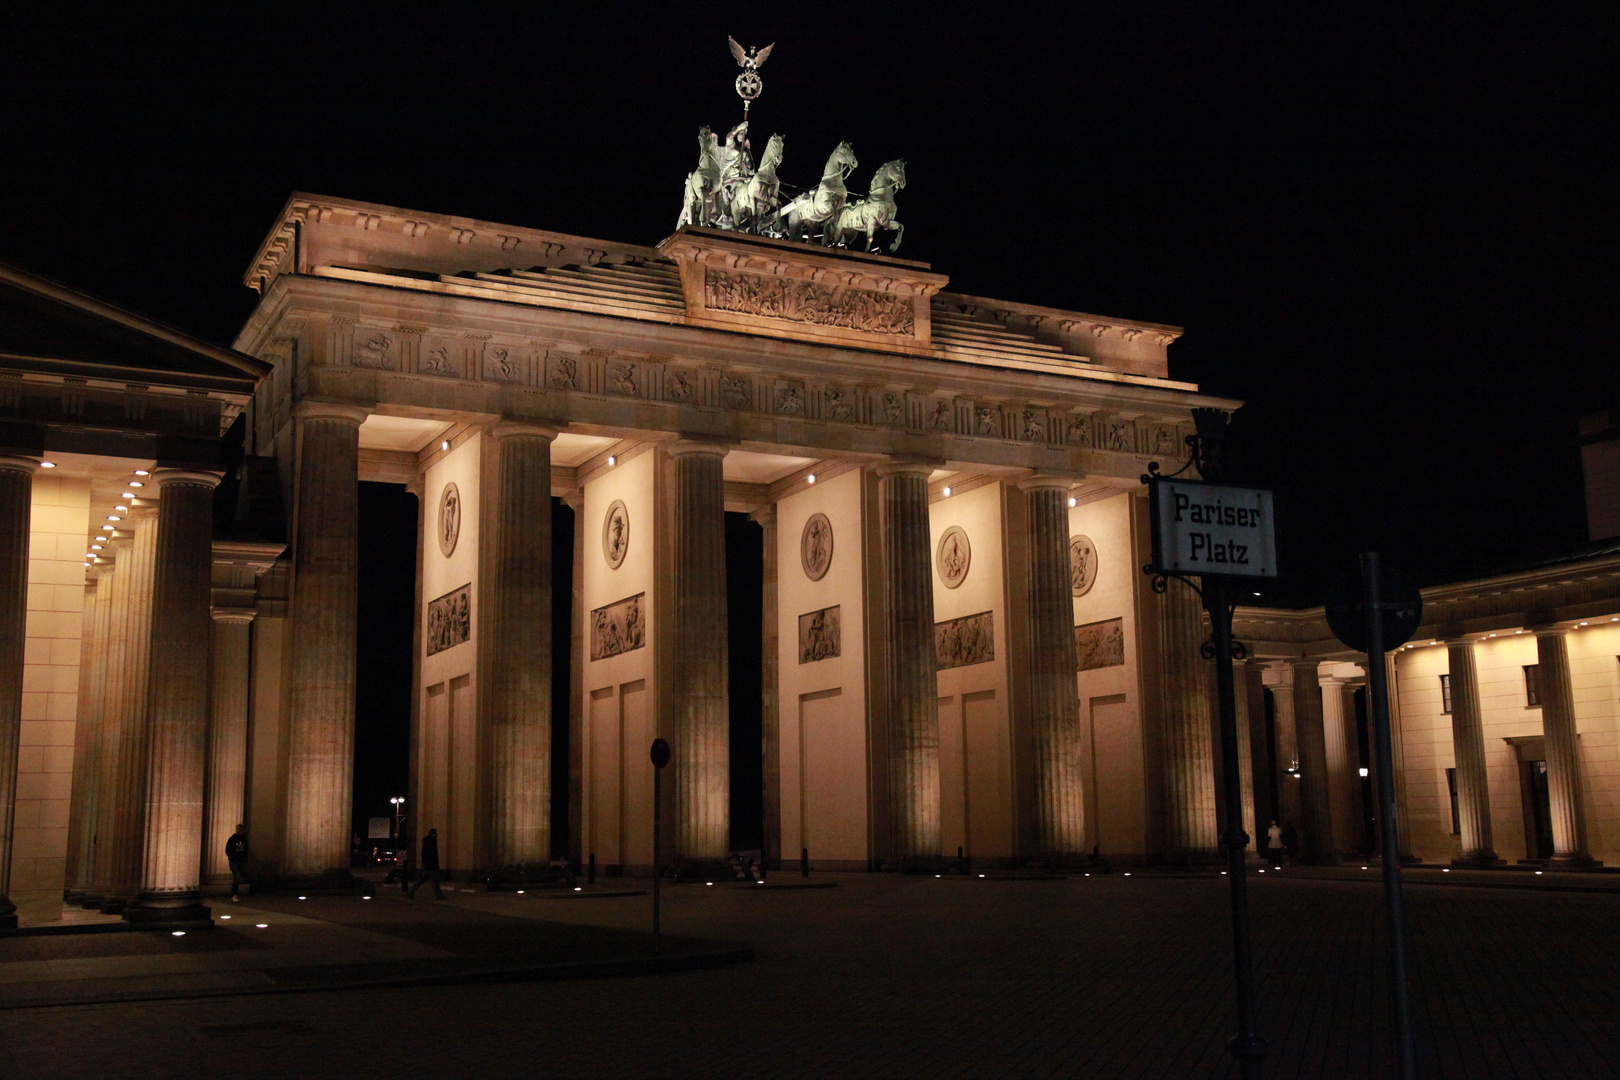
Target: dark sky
column 1393, row 234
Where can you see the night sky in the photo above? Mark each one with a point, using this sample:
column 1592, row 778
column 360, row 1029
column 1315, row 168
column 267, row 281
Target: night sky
column 1391, row 233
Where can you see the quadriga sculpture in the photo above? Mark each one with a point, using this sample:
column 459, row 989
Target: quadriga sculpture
column 703, row 183
column 755, row 201
column 874, row 212
column 821, row 205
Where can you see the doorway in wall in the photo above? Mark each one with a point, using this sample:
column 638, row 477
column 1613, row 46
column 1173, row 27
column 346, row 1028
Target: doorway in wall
column 1534, row 799
column 745, row 576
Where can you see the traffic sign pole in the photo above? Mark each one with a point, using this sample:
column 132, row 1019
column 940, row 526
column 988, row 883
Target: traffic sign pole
column 1378, row 692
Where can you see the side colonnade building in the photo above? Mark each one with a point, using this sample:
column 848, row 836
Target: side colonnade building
column 961, row 653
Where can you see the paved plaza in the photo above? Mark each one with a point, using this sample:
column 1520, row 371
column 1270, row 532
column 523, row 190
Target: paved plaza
column 915, row 976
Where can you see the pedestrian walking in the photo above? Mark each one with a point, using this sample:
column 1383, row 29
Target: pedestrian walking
column 430, row 866
column 236, row 855
column 1274, row 844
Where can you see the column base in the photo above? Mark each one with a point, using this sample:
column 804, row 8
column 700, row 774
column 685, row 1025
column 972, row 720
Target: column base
column 690, row 869
column 8, row 914
column 168, row 912
column 113, row 905
column 1487, row 861
column 1573, row 862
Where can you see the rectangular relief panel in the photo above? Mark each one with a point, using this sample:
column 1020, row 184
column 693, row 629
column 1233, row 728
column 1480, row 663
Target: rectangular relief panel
column 965, row 641
column 618, row 628
column 604, row 770
column 820, row 635
column 1100, row 644
column 449, row 620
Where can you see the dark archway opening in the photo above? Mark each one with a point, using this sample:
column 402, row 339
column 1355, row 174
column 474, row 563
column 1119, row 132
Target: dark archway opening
column 562, row 668
column 745, row 578
column 384, row 641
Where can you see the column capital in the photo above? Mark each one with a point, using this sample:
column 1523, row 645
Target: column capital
column 164, row 477
column 1331, row 680
column 696, row 445
column 909, row 466
column 763, row 515
column 233, row 614
column 17, row 463
column 514, row 429
column 575, row 500
column 330, row 410
column 1454, row 642
column 1048, row 482
column 1548, row 630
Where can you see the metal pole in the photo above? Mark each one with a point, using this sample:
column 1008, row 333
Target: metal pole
column 1378, row 692
column 658, row 819
column 1247, row 1045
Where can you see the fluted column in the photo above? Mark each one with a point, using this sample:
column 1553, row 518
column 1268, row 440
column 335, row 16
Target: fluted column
column 517, row 634
column 1563, row 751
column 1190, row 825
column 1468, row 746
column 115, row 598
column 1245, row 759
column 320, row 758
column 770, row 714
column 86, row 735
column 913, row 680
column 1315, row 800
column 1341, row 770
column 1287, row 739
column 577, row 657
column 177, row 700
column 121, row 830
column 227, row 737
column 1397, row 753
column 696, row 629
column 1253, row 692
column 89, row 738
column 1054, row 706
column 16, row 506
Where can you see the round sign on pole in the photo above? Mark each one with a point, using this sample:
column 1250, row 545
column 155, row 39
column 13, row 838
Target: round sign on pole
column 660, row 753
column 1402, row 609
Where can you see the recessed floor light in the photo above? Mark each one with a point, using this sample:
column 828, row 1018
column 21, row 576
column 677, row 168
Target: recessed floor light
column 178, row 933
column 261, row 925
column 47, row 464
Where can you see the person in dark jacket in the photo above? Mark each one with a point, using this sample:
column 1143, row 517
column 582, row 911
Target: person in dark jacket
column 430, row 866
column 236, row 855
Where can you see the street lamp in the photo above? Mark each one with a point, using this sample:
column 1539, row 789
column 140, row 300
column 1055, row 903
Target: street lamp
column 399, row 811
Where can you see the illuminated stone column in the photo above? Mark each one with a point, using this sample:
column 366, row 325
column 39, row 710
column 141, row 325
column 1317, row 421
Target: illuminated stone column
column 1315, row 799
column 913, row 680
column 695, row 632
column 86, row 740
column 177, row 700
column 121, row 809
column 576, row 686
column 1189, row 755
column 1054, row 706
column 1562, row 749
column 517, row 635
column 90, row 738
column 770, row 714
column 320, row 757
column 115, row 599
column 1341, row 759
column 1468, row 747
column 16, row 506
column 227, row 737
column 1397, row 755
column 1245, row 755
column 1252, row 689
column 1287, row 746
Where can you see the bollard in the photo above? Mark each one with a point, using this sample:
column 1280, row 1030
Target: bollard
column 804, row 862
column 590, row 870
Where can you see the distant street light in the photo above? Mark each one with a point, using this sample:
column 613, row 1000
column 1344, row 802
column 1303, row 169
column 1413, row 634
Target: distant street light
column 399, row 812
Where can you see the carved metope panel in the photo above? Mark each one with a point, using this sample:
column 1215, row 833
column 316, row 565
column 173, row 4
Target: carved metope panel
column 808, row 302
column 1082, row 564
column 1100, row 644
column 816, row 547
column 615, row 534
column 449, row 620
column 449, row 519
column 953, row 556
column 965, row 641
column 820, row 635
column 617, row 628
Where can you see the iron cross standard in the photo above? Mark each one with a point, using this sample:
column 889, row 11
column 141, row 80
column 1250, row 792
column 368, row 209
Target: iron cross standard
column 750, row 60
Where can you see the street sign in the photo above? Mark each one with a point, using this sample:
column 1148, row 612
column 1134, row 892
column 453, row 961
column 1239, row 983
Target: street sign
column 1400, row 602
column 660, row 753
column 377, row 828
column 1210, row 530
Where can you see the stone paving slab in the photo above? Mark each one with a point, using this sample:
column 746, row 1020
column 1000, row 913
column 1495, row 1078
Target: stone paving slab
column 904, row 977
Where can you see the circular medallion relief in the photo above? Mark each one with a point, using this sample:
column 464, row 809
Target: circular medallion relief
column 816, row 547
column 952, row 557
column 615, row 534
column 449, row 519
column 1082, row 564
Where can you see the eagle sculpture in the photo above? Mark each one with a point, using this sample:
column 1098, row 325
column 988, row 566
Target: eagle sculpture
column 750, row 59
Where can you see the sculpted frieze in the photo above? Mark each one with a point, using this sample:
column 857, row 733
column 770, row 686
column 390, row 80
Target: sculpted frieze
column 790, row 399
column 809, row 302
column 939, row 417
column 734, row 392
column 374, row 351
column 437, row 361
column 623, row 378
column 679, row 386
column 965, row 641
column 839, row 405
column 502, row 363
column 564, row 374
